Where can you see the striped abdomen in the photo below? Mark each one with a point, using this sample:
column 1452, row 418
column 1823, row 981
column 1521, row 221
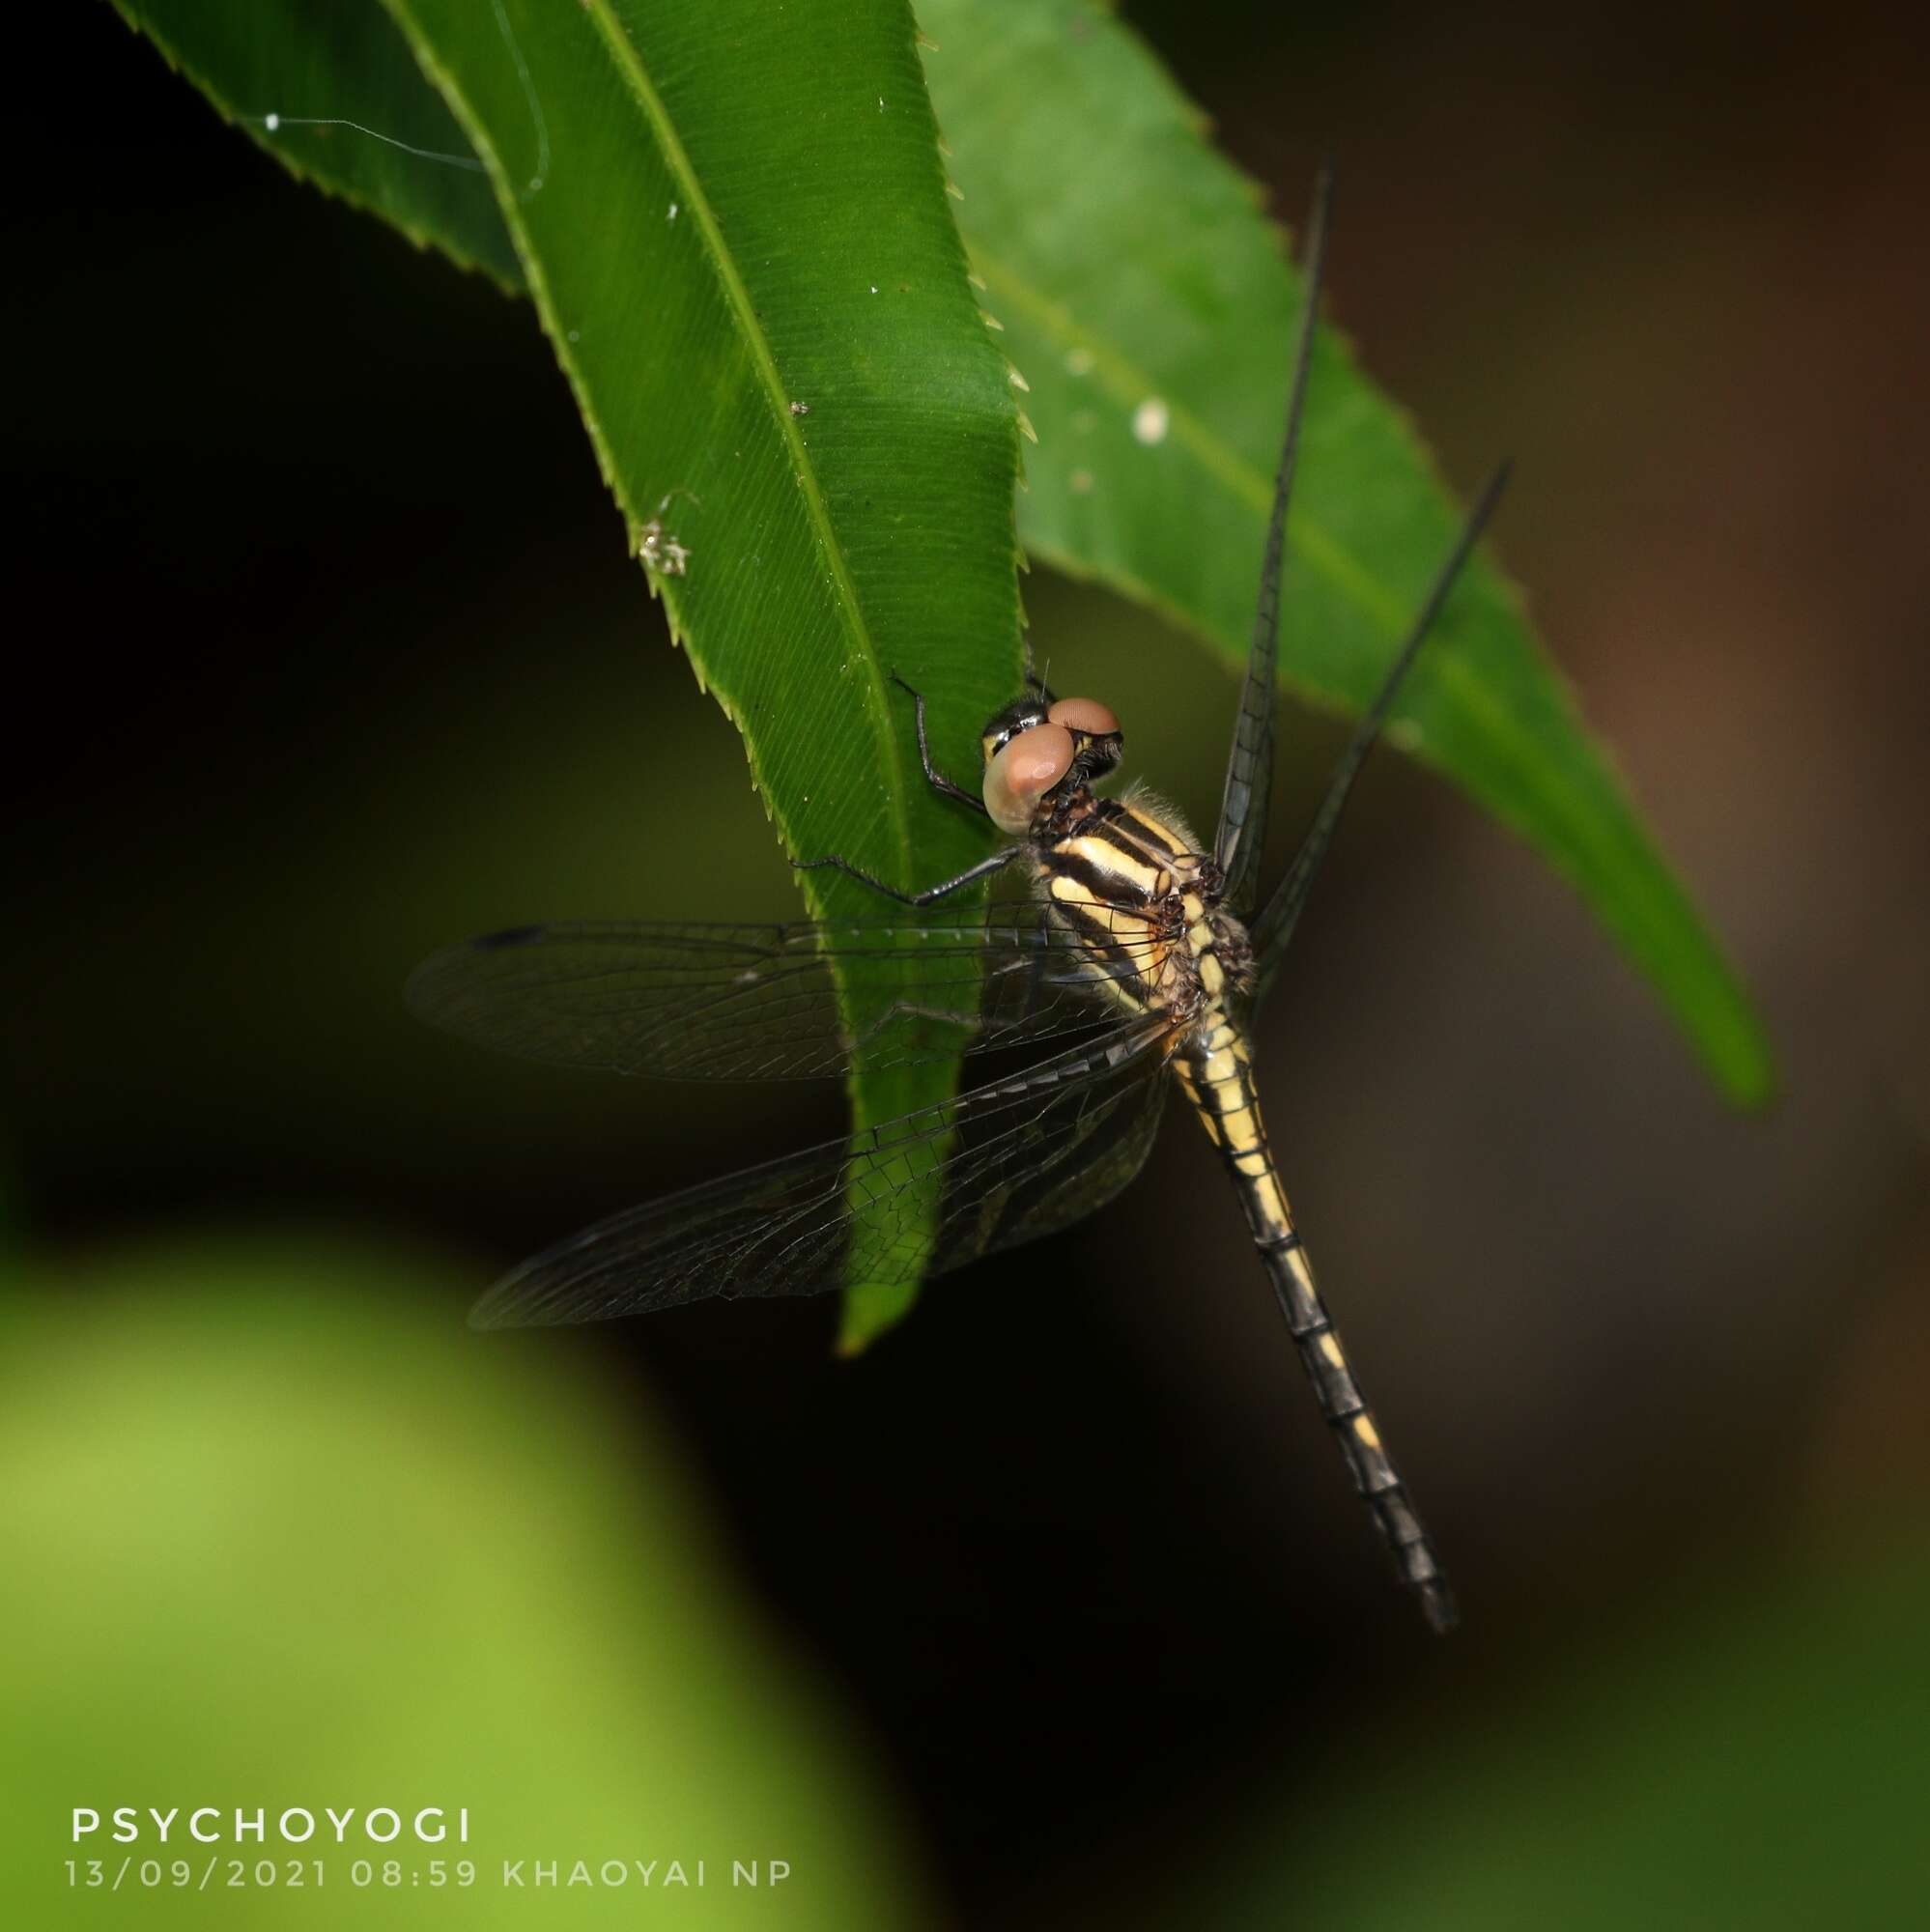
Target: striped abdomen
column 1217, row 1074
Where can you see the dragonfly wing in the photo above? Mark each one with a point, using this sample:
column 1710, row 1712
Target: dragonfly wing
column 997, row 1165
column 1242, row 827
column 761, row 1002
column 1274, row 929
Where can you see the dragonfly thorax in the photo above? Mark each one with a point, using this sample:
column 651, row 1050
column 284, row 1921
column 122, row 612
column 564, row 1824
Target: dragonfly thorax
column 1126, row 878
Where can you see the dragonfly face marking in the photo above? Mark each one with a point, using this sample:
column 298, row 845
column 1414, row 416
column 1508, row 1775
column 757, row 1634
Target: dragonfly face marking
column 1142, row 954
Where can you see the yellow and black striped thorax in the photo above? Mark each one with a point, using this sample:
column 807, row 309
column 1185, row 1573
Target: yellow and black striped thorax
column 1126, row 877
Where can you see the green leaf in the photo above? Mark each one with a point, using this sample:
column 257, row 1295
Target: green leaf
column 1144, row 297
column 734, row 222
column 1148, row 304
column 281, row 1532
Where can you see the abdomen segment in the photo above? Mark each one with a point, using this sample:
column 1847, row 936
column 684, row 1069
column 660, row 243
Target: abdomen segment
column 1218, row 1079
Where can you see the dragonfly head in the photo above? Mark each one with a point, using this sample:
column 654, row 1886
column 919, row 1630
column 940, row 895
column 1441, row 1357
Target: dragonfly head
column 1039, row 743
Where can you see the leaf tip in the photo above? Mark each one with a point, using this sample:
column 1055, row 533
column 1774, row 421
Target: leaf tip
column 871, row 1309
column 1736, row 1049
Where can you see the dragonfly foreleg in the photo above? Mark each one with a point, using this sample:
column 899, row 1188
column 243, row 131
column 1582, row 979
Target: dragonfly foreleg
column 944, row 787
column 983, row 870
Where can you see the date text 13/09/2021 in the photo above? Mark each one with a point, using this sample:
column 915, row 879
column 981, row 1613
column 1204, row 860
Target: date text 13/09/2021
column 224, row 1872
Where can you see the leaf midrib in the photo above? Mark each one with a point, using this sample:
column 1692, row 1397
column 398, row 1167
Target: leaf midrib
column 629, row 64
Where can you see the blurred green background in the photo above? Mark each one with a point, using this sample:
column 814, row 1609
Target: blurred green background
column 1055, row 1608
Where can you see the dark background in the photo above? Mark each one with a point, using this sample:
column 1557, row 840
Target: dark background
column 327, row 651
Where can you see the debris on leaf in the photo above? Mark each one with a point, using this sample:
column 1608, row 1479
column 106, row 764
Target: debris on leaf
column 658, row 552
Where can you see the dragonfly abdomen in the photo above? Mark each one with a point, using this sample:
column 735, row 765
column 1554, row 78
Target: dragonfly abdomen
column 1216, row 1075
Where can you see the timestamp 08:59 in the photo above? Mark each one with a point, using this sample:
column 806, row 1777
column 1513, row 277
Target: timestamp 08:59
column 290, row 1874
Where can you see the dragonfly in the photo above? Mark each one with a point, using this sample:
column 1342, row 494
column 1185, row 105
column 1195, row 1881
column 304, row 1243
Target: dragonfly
column 1135, row 963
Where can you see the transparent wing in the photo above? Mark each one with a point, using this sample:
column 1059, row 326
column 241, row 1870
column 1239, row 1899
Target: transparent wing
column 1243, row 827
column 761, row 1002
column 1001, row 1164
column 1274, row 929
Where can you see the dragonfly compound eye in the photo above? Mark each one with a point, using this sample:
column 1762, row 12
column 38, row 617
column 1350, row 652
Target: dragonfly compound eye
column 1098, row 742
column 1085, row 716
column 1023, row 770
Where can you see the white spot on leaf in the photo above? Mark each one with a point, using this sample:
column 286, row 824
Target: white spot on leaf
column 1151, row 421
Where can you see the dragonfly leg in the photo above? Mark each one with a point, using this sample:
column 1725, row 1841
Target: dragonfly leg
column 944, row 786
column 983, row 870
